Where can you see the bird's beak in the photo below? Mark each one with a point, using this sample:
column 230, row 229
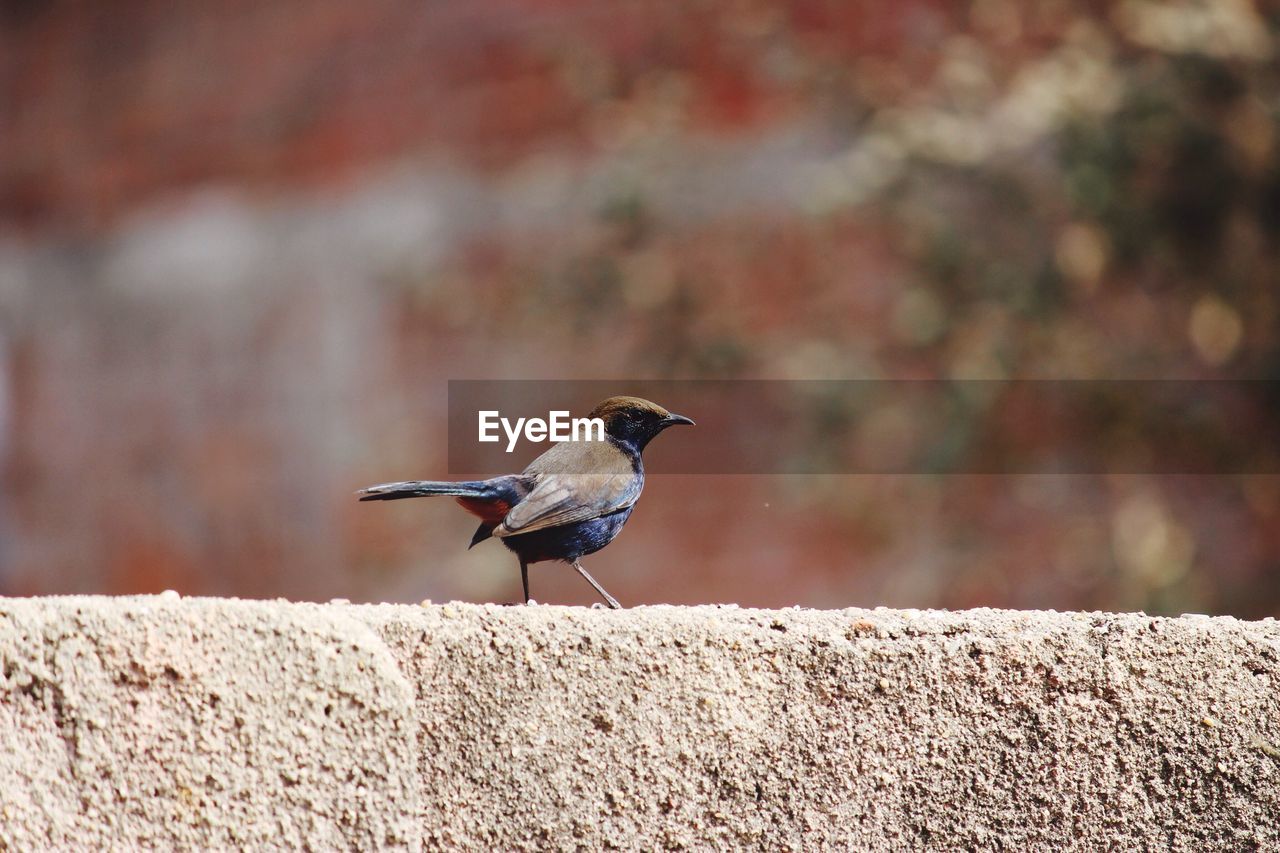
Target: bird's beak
column 673, row 419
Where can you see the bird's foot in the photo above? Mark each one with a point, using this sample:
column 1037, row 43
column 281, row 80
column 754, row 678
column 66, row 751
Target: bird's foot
column 613, row 602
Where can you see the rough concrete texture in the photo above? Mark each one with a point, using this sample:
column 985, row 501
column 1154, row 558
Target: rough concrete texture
column 160, row 722
column 155, row 722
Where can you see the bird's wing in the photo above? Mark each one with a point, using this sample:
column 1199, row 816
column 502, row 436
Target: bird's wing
column 581, row 481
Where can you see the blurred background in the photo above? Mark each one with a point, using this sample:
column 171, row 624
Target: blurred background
column 243, row 248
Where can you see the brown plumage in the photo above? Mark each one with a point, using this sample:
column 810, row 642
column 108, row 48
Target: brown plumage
column 570, row 501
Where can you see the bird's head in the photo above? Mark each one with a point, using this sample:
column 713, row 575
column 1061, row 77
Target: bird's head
column 635, row 421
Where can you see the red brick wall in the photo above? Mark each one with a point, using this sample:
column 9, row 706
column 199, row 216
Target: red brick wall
column 244, row 247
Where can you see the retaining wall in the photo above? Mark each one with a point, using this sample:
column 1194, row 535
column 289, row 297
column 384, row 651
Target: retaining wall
column 159, row 721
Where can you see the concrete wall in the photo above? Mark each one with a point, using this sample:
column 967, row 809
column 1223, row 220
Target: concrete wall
column 158, row 721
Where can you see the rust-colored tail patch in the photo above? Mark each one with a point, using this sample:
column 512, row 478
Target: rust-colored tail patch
column 489, row 511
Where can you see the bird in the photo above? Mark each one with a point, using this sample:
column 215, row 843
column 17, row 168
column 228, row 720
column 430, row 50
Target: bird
column 569, row 502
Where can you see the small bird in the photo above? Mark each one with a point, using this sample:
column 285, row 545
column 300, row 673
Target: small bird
column 571, row 501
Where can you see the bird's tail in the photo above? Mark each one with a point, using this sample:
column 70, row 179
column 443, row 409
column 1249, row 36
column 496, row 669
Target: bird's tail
column 425, row 488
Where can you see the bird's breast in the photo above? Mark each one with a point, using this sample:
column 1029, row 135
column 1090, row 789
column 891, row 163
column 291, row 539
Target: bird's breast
column 570, row 541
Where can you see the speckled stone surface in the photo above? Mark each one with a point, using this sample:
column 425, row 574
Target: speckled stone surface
column 162, row 722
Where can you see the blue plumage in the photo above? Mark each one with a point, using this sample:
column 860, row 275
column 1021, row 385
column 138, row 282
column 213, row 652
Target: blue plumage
column 569, row 542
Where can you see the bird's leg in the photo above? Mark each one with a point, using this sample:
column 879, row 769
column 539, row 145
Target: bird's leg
column 524, row 578
column 613, row 602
